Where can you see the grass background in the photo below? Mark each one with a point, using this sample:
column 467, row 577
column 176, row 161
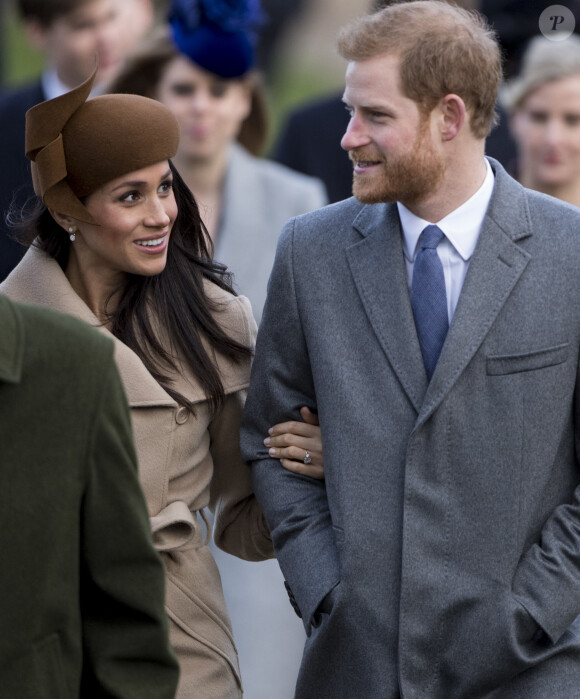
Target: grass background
column 306, row 65
column 19, row 61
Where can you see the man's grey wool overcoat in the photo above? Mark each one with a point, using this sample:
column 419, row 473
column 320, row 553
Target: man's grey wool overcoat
column 449, row 522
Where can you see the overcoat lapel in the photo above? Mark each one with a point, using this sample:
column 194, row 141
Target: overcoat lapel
column 378, row 268
column 497, row 264
column 39, row 279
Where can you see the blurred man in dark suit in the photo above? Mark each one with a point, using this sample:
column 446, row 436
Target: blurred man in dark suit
column 71, row 35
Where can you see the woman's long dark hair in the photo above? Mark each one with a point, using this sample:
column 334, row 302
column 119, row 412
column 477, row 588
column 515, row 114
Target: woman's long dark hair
column 174, row 300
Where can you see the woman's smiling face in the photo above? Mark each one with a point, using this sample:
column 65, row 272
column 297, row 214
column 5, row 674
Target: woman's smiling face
column 135, row 214
column 546, row 127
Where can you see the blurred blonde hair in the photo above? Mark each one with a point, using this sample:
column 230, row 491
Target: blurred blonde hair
column 543, row 61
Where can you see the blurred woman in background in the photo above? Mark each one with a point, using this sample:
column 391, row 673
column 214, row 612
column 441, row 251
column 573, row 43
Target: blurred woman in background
column 202, row 68
column 543, row 102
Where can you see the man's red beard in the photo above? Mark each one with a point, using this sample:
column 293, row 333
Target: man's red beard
column 406, row 179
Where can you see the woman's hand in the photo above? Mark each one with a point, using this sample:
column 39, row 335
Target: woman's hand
column 298, row 445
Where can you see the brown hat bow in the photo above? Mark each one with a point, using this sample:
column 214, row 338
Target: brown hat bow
column 77, row 145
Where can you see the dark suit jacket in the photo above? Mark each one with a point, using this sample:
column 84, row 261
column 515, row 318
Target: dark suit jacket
column 82, row 589
column 310, row 143
column 448, row 526
column 15, row 182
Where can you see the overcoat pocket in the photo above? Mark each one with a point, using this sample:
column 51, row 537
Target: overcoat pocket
column 528, row 361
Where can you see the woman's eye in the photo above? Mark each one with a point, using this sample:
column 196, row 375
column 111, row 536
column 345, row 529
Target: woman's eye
column 218, row 90
column 166, row 187
column 182, row 90
column 129, row 197
column 538, row 117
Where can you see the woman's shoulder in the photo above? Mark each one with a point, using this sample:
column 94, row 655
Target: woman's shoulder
column 233, row 313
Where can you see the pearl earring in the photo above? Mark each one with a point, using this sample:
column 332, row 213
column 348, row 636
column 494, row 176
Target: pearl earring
column 72, row 235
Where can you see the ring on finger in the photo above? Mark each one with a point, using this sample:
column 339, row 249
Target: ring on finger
column 307, row 458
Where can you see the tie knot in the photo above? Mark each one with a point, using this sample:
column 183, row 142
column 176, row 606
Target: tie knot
column 432, row 236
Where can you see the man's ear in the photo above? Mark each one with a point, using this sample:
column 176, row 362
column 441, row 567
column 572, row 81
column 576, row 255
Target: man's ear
column 453, row 116
column 35, row 33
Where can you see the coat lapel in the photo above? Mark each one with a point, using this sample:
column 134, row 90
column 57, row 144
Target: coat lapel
column 378, row 268
column 39, row 279
column 497, row 264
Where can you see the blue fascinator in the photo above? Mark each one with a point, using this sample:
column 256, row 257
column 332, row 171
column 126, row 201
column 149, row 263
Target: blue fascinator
column 218, row 35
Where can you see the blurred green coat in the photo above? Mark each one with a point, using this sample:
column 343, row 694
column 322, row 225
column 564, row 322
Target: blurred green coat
column 81, row 588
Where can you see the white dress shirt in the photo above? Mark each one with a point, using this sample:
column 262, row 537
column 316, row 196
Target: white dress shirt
column 461, row 228
column 52, row 85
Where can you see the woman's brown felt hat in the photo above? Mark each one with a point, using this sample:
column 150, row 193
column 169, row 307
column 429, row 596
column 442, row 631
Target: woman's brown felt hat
column 77, row 144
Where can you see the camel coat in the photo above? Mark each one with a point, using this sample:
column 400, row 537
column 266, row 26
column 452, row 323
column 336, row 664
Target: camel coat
column 186, row 463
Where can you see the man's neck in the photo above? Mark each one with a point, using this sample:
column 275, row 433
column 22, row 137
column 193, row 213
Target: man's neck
column 462, row 178
column 53, row 86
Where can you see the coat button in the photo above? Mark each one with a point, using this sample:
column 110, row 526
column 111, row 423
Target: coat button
column 182, row 415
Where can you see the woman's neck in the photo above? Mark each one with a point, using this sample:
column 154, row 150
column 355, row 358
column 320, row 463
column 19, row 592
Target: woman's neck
column 98, row 289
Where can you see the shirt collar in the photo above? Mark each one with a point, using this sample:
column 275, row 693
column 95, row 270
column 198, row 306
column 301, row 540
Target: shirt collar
column 461, row 227
column 52, row 85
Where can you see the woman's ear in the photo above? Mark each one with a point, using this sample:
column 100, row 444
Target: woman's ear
column 36, row 34
column 453, row 114
column 64, row 221
column 67, row 222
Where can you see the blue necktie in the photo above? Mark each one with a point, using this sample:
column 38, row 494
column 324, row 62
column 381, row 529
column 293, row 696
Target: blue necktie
column 429, row 299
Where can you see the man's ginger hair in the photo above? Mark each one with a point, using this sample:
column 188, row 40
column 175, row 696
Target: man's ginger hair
column 444, row 49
